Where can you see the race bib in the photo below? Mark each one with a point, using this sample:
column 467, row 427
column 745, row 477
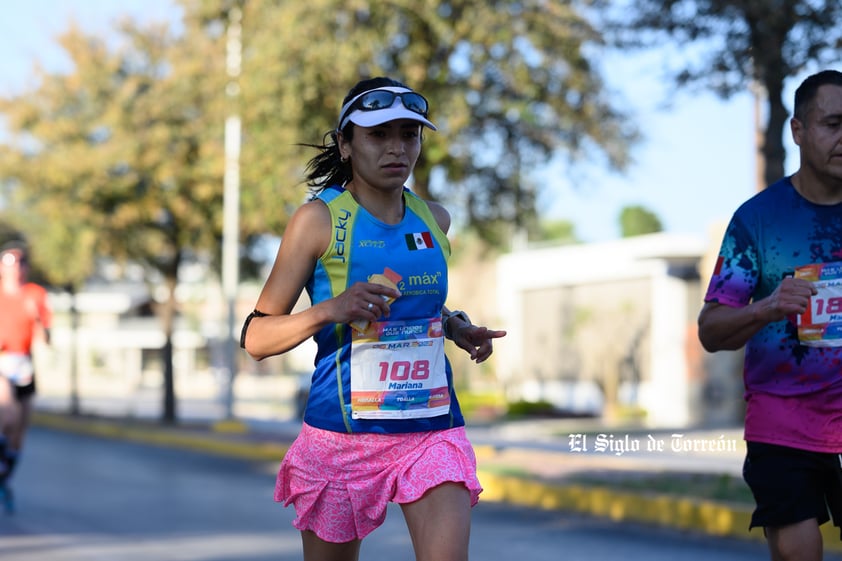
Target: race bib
column 821, row 325
column 17, row 368
column 398, row 370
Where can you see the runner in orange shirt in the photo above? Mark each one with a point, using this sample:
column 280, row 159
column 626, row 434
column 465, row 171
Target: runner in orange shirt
column 25, row 319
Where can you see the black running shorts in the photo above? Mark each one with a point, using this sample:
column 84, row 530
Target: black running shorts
column 791, row 485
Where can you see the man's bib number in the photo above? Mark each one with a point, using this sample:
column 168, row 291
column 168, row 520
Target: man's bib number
column 821, row 325
column 398, row 371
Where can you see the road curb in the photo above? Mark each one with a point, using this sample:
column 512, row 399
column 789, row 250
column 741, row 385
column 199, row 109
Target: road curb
column 708, row 517
column 163, row 436
column 682, row 513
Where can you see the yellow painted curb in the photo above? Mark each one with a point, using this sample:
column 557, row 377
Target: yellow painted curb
column 230, row 426
column 678, row 512
column 170, row 437
column 700, row 515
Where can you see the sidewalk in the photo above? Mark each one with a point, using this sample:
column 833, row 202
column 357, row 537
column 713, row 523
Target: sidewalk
column 690, row 482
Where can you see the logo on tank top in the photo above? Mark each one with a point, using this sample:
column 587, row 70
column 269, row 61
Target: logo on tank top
column 340, row 234
column 376, row 244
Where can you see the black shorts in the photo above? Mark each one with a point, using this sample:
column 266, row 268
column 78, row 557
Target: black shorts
column 791, row 485
column 23, row 392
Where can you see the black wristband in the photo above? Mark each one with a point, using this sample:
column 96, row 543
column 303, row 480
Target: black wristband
column 446, row 321
column 255, row 314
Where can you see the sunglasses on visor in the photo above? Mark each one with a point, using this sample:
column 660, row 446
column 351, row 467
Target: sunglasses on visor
column 383, row 99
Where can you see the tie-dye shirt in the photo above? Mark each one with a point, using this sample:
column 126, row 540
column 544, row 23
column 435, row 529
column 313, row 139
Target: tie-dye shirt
column 793, row 392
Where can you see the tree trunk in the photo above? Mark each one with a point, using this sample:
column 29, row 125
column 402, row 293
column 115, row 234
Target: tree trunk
column 773, row 143
column 168, row 324
column 74, row 367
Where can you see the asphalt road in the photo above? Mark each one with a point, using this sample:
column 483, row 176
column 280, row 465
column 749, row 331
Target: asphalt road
column 86, row 499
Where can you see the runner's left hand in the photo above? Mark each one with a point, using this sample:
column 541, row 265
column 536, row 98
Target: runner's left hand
column 476, row 340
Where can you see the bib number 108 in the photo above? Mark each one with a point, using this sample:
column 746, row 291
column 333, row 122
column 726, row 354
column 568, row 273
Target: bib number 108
column 405, row 370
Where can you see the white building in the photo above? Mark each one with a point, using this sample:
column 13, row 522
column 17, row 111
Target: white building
column 610, row 328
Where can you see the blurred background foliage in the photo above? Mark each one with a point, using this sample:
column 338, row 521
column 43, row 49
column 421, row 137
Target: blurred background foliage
column 733, row 46
column 123, row 155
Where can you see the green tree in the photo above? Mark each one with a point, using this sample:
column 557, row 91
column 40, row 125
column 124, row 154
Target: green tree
column 509, row 82
column 561, row 231
column 121, row 158
column 732, row 46
column 636, row 220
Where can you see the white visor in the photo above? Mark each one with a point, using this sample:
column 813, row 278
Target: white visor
column 379, row 116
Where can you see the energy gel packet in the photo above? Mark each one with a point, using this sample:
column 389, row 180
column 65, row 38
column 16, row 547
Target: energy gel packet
column 387, row 278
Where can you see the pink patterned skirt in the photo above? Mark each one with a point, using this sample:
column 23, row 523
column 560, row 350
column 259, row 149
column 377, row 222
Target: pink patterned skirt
column 340, row 484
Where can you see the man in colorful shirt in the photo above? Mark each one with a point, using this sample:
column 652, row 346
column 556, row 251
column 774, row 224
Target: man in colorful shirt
column 777, row 290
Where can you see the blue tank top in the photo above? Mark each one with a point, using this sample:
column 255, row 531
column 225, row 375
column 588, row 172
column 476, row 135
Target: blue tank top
column 362, row 245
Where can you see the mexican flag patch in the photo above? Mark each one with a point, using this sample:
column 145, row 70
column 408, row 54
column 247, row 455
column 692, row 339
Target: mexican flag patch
column 420, row 240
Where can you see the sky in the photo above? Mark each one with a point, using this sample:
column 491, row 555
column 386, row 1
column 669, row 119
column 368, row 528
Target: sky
column 694, row 166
